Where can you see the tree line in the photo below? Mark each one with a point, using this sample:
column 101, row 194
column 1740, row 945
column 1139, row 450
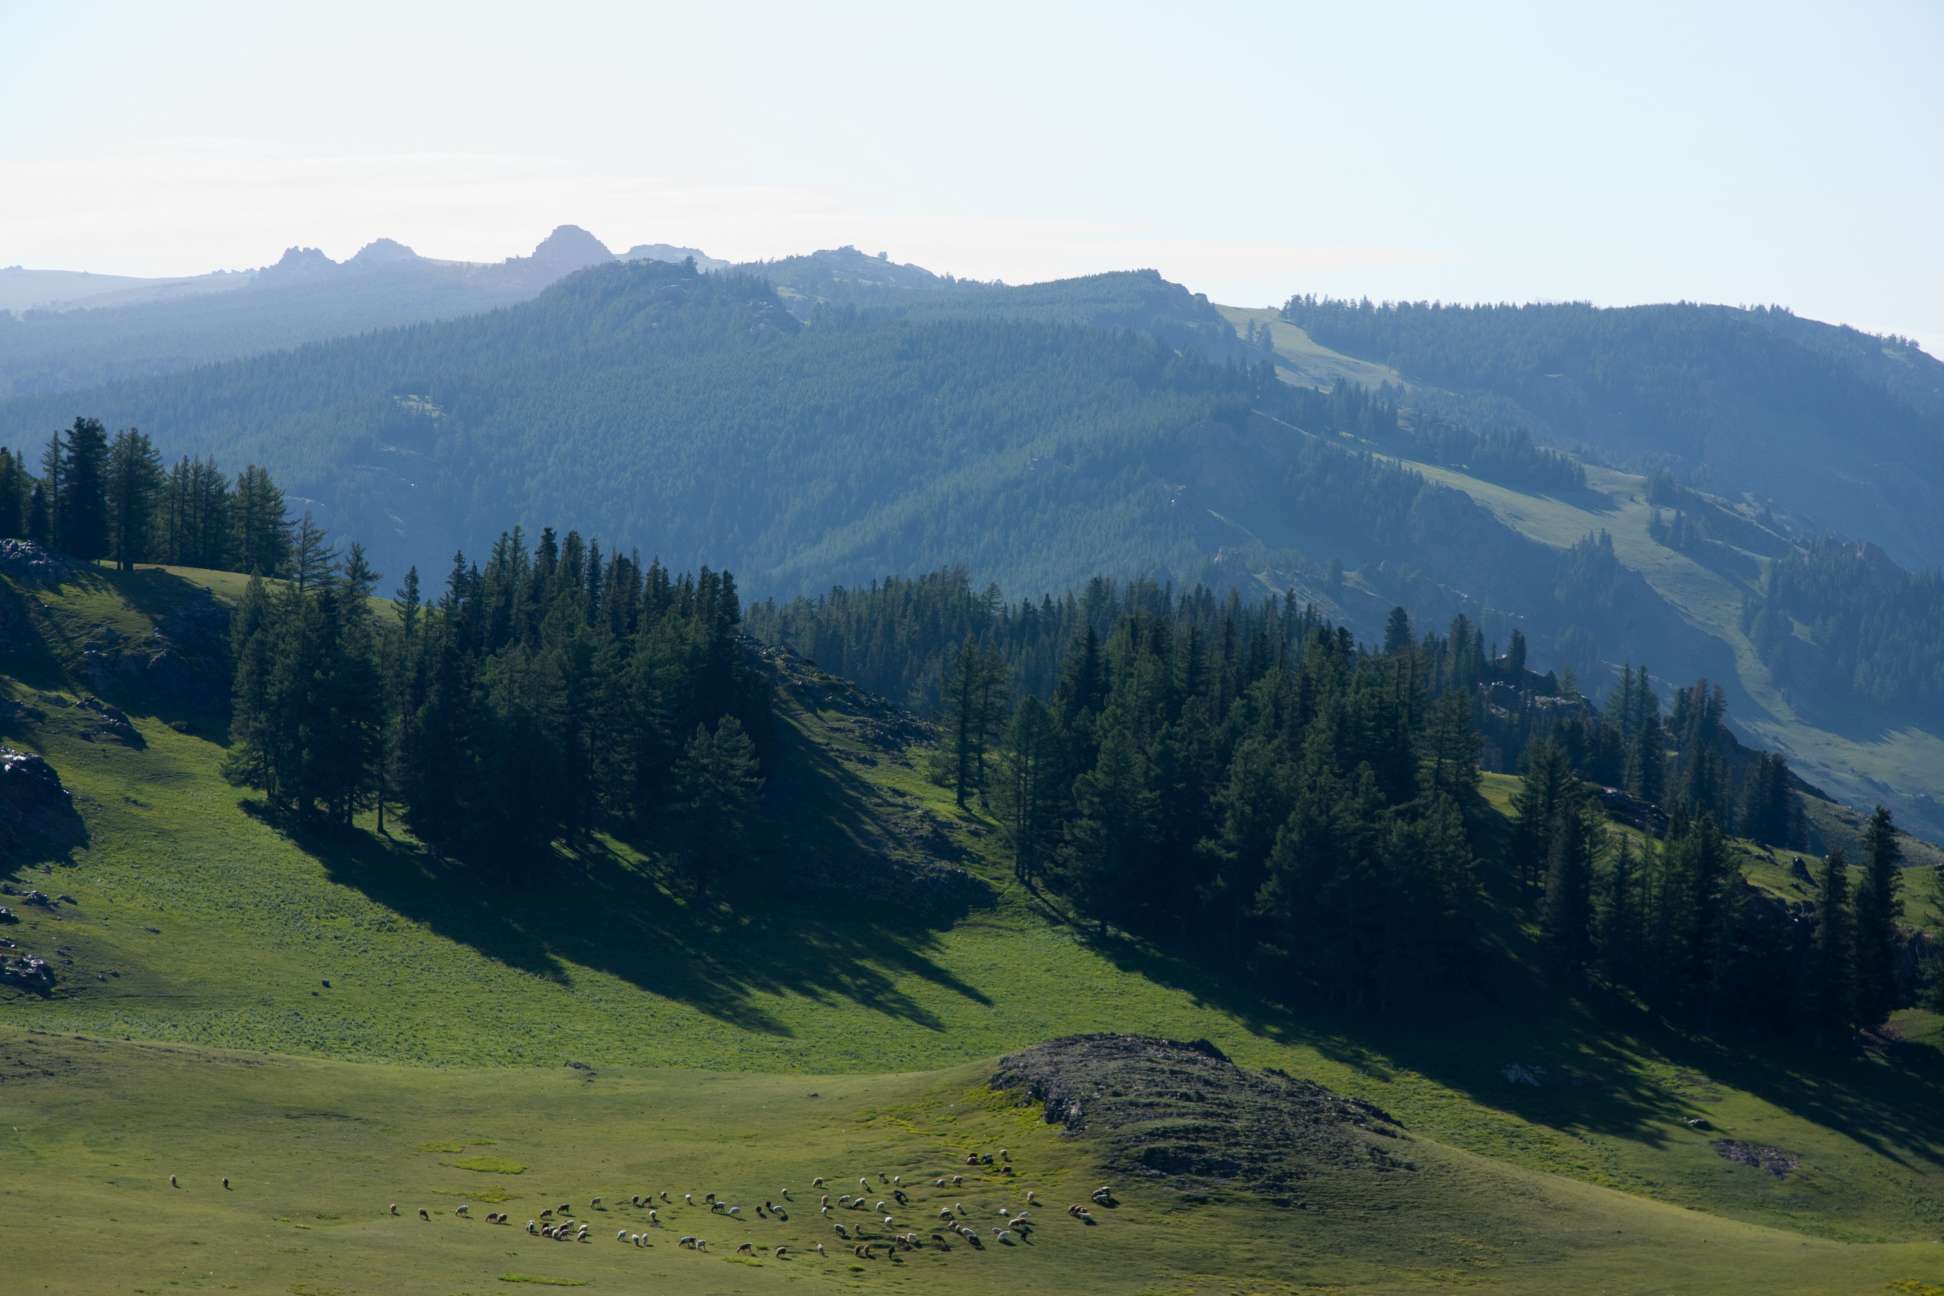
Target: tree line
column 1245, row 781
column 552, row 693
column 100, row 497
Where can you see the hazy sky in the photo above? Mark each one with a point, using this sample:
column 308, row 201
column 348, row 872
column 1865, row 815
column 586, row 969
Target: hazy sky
column 1724, row 152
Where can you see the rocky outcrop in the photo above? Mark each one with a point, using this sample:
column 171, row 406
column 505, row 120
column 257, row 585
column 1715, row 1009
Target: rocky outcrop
column 1186, row 1114
column 33, row 803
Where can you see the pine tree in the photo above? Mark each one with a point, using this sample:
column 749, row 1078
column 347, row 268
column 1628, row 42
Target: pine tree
column 134, row 483
column 261, row 524
column 1397, row 632
column 1878, row 906
column 1621, row 916
column 81, row 502
column 13, row 496
column 717, row 787
column 312, row 557
column 1832, row 986
column 1029, row 791
column 1547, row 785
column 1566, row 911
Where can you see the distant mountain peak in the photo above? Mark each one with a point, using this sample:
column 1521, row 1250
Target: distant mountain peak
column 298, row 263
column 383, row 252
column 570, row 247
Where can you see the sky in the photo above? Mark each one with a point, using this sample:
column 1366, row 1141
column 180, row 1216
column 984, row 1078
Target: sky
column 1741, row 153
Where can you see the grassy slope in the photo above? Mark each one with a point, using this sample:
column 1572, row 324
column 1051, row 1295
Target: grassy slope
column 1904, row 763
column 431, row 981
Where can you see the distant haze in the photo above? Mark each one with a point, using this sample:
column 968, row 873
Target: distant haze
column 1743, row 154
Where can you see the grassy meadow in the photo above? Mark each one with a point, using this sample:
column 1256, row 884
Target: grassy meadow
column 344, row 1022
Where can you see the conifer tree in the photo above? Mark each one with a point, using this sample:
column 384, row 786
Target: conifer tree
column 1566, row 912
column 81, row 500
column 1832, row 985
column 717, row 786
column 134, row 483
column 1878, row 906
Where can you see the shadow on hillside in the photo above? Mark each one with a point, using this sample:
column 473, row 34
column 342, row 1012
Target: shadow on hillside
column 592, row 908
column 1602, row 1065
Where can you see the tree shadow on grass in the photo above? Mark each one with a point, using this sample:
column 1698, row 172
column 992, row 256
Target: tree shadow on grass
column 595, row 907
column 1603, row 1064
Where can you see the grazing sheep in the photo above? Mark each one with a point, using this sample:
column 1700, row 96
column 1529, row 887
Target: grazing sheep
column 709, row 1197
column 653, row 1218
column 958, row 1208
column 819, row 1249
column 971, row 1158
column 786, row 1195
column 824, row 1200
column 843, row 1199
column 1002, row 1235
column 842, row 1232
column 899, row 1193
column 879, row 1208
column 746, row 1249
column 735, row 1210
column 944, row 1212
column 824, row 1211
column 881, row 1178
column 958, row 1181
column 864, row 1252
column 394, row 1208
column 1032, row 1197
column 621, row 1235
column 939, row 1182
column 818, row 1182
column 780, row 1252
column 565, row 1208
column 887, row 1221
column 1004, row 1155
column 863, row 1180
column 423, row 1215
column 225, row 1183
column 596, row 1205
column 664, row 1196
column 533, row 1226
column 464, row 1209
column 547, row 1213
column 173, row 1183
column 688, row 1240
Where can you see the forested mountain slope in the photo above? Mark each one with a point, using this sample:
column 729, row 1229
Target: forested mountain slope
column 1840, row 428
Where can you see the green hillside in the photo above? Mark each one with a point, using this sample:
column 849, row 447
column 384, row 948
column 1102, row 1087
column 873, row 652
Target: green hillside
column 785, row 1029
column 1860, row 760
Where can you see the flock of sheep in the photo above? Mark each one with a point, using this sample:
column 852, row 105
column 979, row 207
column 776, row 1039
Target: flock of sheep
column 868, row 1223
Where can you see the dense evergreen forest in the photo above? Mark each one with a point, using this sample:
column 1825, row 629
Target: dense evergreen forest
column 1247, row 783
column 1845, row 630
column 97, row 497
column 1734, row 401
column 553, row 693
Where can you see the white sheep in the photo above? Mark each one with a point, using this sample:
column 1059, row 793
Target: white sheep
column 621, row 1235
column 173, row 1183
column 689, row 1198
column 746, row 1249
column 423, row 1215
column 653, row 1218
column 1032, row 1198
column 818, row 1182
column 533, row 1226
column 394, row 1208
column 595, row 1204
column 464, row 1209
column 820, row 1249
